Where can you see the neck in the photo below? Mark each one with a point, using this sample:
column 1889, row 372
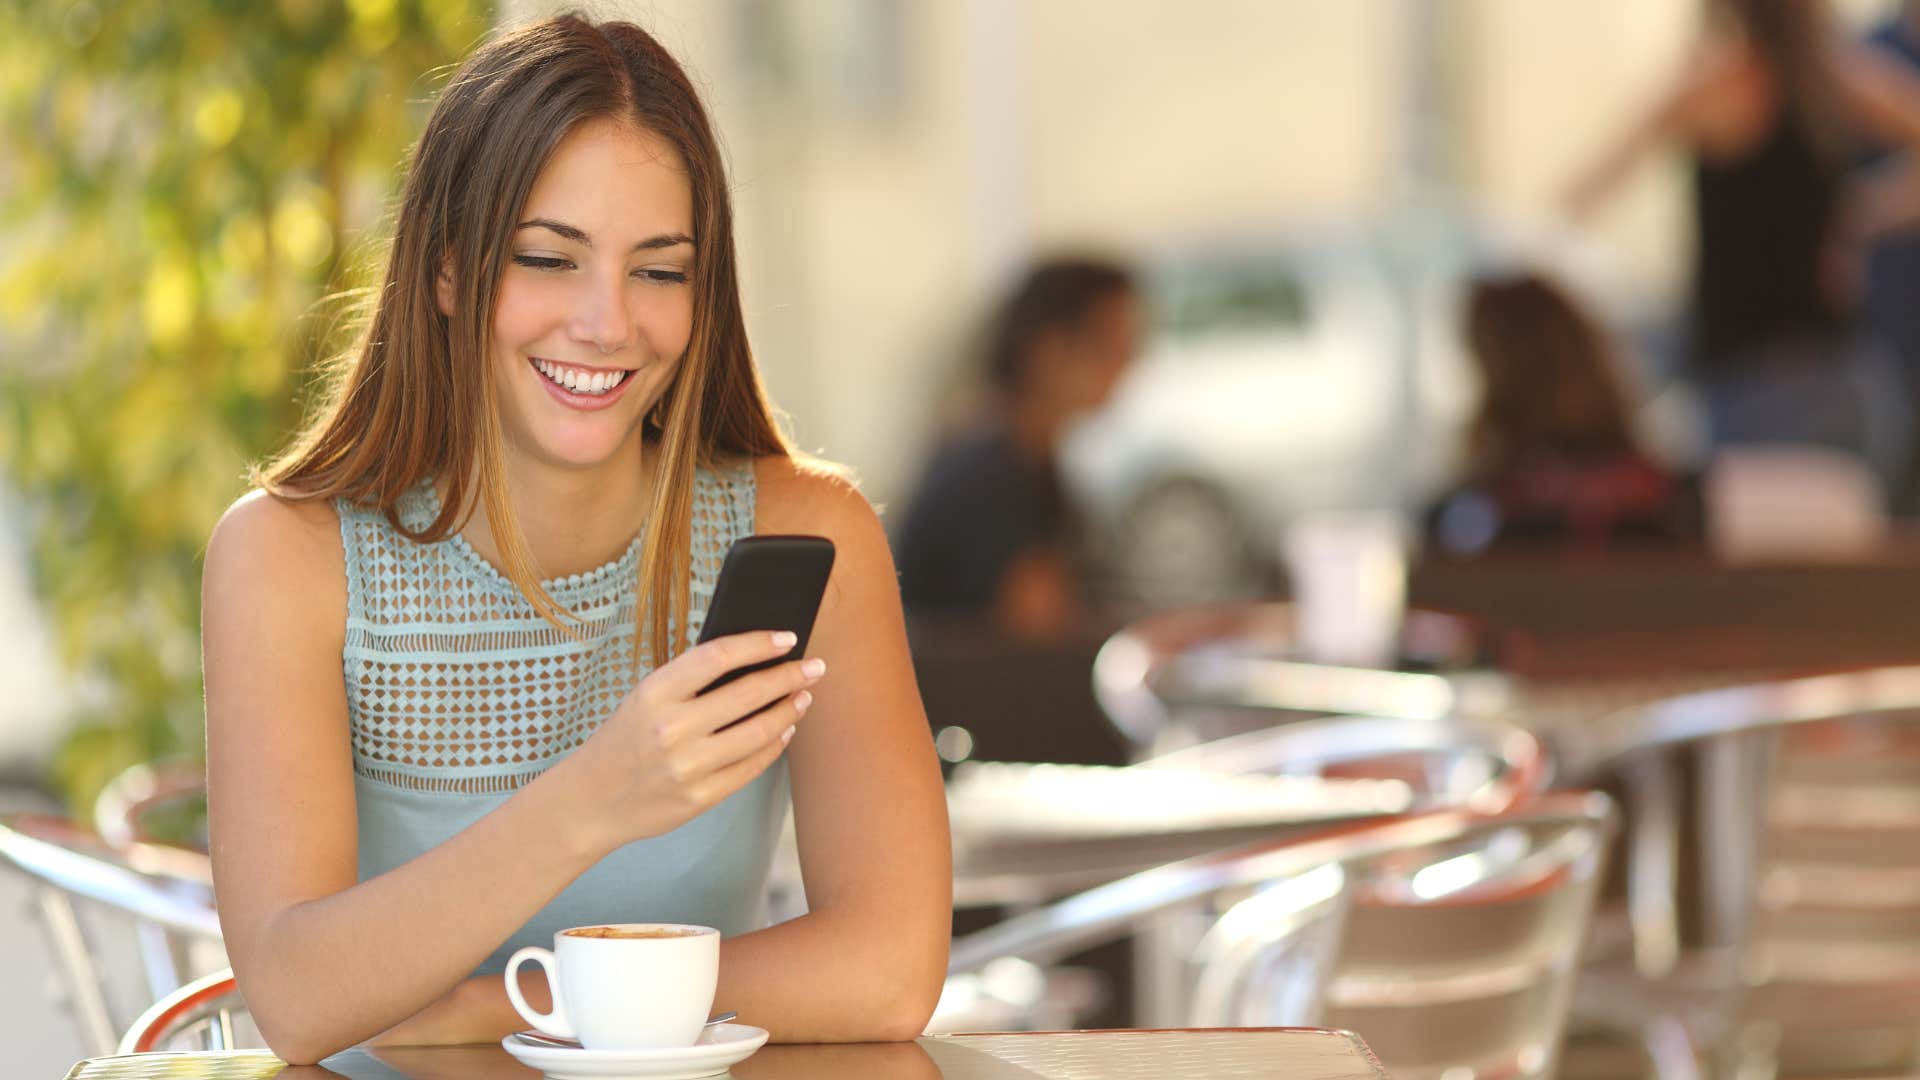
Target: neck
column 1034, row 428
column 572, row 520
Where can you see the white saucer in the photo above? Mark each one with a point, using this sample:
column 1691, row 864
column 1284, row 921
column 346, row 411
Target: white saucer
column 719, row 1047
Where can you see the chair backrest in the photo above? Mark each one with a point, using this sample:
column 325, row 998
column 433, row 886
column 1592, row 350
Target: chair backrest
column 1447, row 939
column 1025, row 833
column 205, row 1014
column 1455, row 954
column 1485, row 765
column 1200, row 674
column 1809, row 822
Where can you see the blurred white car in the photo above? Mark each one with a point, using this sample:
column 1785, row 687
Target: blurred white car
column 1279, row 379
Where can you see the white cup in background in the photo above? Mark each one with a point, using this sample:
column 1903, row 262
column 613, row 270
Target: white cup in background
column 1349, row 578
column 624, row 986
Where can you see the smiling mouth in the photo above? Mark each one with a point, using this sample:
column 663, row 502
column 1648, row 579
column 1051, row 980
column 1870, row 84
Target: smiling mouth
column 588, row 382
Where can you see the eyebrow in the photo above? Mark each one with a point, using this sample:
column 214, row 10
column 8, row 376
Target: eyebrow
column 651, row 243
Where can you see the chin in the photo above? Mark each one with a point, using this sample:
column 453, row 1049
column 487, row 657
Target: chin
column 572, row 447
column 585, row 454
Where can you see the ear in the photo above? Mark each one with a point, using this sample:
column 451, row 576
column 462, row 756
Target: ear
column 443, row 287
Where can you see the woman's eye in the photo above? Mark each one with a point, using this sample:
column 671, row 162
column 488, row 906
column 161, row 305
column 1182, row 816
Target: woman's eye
column 662, row 277
column 541, row 262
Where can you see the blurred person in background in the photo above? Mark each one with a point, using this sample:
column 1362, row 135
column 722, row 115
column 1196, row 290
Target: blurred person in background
column 989, row 530
column 1553, row 455
column 506, row 523
column 1893, row 262
column 1772, row 106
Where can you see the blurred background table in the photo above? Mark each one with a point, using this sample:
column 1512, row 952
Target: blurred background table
column 1642, row 613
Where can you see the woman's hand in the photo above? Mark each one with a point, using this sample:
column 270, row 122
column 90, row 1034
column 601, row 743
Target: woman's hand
column 662, row 758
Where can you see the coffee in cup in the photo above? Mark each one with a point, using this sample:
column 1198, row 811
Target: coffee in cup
column 633, row 932
column 624, row 986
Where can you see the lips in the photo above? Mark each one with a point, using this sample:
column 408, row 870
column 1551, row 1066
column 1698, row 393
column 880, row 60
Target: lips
column 581, row 395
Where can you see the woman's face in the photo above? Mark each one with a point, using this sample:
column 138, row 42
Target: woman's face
column 595, row 305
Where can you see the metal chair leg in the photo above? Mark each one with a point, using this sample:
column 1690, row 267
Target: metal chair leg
column 86, row 996
column 1653, row 859
column 157, row 959
column 1733, row 771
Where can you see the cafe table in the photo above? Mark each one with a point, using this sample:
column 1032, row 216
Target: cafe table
column 1222, row 1053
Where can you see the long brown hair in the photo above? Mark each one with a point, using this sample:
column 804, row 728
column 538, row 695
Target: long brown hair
column 412, row 400
column 1548, row 373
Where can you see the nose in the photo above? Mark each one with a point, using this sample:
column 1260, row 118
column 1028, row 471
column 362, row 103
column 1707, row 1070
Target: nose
column 600, row 318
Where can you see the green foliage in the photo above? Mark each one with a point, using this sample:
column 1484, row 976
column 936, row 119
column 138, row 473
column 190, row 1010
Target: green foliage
column 181, row 182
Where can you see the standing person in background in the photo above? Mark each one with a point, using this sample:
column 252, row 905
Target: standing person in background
column 1554, row 457
column 989, row 530
column 1893, row 261
column 1771, row 117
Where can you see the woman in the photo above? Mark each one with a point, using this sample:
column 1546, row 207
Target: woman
column 1771, row 111
column 451, row 705
column 990, row 531
column 1553, row 456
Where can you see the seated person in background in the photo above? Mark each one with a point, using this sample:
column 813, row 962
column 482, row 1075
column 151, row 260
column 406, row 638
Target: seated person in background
column 989, row 530
column 1553, row 458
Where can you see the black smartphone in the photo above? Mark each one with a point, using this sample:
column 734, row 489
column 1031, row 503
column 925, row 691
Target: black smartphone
column 768, row 583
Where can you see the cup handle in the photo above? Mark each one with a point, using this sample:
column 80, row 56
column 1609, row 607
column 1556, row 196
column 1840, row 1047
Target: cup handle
column 553, row 1023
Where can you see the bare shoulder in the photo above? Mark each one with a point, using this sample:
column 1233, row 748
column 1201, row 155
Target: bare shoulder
column 265, row 546
column 260, row 523
column 809, row 495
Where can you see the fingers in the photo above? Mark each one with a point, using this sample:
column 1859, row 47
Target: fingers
column 731, row 778
column 765, row 730
column 690, row 672
column 746, row 696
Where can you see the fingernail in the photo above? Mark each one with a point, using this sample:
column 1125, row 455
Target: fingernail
column 802, row 702
column 786, row 737
column 813, row 668
column 785, row 639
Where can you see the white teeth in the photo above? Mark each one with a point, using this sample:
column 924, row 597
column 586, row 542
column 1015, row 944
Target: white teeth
column 578, row 381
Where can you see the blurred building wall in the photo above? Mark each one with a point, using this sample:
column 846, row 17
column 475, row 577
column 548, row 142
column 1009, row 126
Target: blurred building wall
column 877, row 221
column 1545, row 85
column 895, row 160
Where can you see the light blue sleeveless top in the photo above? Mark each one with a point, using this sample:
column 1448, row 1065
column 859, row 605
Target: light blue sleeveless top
column 458, row 693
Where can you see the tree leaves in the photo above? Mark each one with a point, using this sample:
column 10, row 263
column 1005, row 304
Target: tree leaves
column 181, row 182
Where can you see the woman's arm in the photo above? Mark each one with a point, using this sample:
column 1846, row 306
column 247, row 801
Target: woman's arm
column 868, row 960
column 1883, row 95
column 325, row 961
column 1674, row 117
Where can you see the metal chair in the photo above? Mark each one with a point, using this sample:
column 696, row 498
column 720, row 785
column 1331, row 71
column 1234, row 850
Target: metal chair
column 207, row 1010
column 1448, row 939
column 1198, row 674
column 160, row 807
column 1484, row 765
column 168, row 889
column 1028, row 833
column 1809, row 870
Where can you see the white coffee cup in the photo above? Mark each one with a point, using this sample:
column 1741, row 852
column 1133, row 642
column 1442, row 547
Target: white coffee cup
column 1349, row 575
column 615, row 992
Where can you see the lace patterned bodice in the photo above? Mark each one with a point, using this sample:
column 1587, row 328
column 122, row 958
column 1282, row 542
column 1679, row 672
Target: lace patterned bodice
column 458, row 693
